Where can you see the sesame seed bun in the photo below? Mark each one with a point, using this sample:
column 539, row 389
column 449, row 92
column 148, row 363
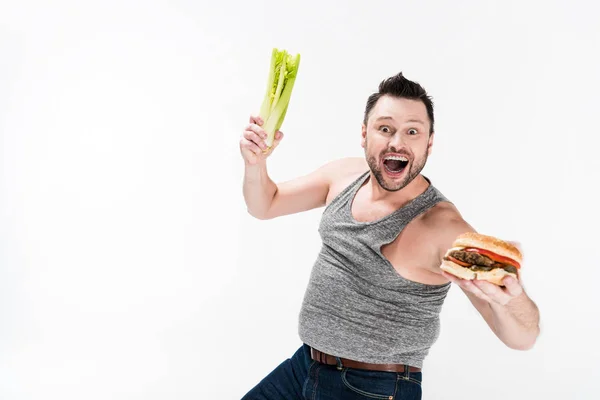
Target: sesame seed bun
column 490, row 243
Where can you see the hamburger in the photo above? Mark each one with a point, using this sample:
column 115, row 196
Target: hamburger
column 477, row 256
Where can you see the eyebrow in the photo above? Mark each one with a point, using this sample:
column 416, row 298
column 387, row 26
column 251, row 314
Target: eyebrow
column 410, row 120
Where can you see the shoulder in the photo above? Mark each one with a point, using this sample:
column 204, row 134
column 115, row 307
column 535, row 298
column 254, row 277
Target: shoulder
column 342, row 172
column 342, row 167
column 444, row 223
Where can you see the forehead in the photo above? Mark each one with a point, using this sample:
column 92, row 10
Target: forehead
column 399, row 109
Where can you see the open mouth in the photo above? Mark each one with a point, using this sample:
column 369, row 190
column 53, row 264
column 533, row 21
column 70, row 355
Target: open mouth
column 394, row 165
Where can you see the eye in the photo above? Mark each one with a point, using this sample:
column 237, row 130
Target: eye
column 412, row 131
column 385, row 129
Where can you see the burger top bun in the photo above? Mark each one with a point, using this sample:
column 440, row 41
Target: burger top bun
column 500, row 247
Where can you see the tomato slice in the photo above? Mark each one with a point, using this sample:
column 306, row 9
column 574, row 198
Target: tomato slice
column 494, row 256
column 461, row 263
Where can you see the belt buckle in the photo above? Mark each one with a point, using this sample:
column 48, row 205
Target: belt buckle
column 339, row 364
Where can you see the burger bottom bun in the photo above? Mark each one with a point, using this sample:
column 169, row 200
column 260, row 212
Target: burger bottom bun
column 494, row 276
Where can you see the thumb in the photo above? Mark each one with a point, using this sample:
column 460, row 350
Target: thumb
column 278, row 138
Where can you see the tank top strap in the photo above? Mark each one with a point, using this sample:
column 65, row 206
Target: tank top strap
column 392, row 226
column 342, row 198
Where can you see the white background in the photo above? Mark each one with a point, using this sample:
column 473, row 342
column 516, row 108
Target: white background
column 129, row 268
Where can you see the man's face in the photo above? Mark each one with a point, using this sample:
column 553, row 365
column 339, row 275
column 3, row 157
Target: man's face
column 397, row 141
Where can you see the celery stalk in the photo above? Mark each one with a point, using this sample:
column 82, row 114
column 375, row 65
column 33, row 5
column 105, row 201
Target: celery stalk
column 265, row 109
column 280, row 82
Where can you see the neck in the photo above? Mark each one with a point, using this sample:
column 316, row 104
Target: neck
column 416, row 187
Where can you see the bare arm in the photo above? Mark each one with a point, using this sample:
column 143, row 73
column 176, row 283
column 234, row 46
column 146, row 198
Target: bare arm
column 266, row 199
column 259, row 190
column 516, row 322
column 509, row 312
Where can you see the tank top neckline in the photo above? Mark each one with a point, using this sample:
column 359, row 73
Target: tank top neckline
column 358, row 184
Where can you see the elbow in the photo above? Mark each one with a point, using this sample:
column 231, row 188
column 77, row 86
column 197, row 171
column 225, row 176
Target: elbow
column 522, row 346
column 526, row 342
column 263, row 216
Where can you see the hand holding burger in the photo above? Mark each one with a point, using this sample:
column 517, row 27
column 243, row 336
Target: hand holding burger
column 486, row 266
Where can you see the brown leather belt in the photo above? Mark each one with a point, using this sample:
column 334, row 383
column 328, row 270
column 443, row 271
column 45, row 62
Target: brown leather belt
column 332, row 360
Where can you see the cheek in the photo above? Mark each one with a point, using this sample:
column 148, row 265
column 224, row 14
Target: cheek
column 420, row 148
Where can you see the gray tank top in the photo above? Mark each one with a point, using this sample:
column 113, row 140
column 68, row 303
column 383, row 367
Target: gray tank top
column 356, row 304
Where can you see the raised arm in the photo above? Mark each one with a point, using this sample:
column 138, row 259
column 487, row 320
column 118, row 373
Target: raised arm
column 266, row 199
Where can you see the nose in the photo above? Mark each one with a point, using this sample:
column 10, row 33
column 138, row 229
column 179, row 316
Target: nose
column 397, row 140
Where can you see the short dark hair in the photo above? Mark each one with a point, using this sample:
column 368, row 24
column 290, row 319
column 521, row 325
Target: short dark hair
column 399, row 86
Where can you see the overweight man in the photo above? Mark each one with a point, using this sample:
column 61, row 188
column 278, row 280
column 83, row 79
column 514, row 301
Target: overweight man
column 371, row 309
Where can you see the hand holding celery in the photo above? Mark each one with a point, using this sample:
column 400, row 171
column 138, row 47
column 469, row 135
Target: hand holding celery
column 262, row 135
column 253, row 142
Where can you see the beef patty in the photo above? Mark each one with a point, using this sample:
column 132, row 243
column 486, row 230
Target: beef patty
column 480, row 262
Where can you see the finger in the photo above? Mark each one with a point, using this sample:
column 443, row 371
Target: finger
column 513, row 286
column 253, row 137
column 256, row 119
column 450, row 277
column 258, row 130
column 455, row 279
column 492, row 291
column 277, row 139
column 248, row 145
column 470, row 287
column 466, row 285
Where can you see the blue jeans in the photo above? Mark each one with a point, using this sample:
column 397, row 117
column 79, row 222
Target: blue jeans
column 302, row 378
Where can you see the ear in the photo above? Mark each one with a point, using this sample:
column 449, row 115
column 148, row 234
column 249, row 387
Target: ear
column 430, row 143
column 363, row 141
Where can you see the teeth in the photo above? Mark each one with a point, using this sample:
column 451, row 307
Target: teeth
column 399, row 158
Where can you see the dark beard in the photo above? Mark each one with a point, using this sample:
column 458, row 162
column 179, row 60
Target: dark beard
column 413, row 171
